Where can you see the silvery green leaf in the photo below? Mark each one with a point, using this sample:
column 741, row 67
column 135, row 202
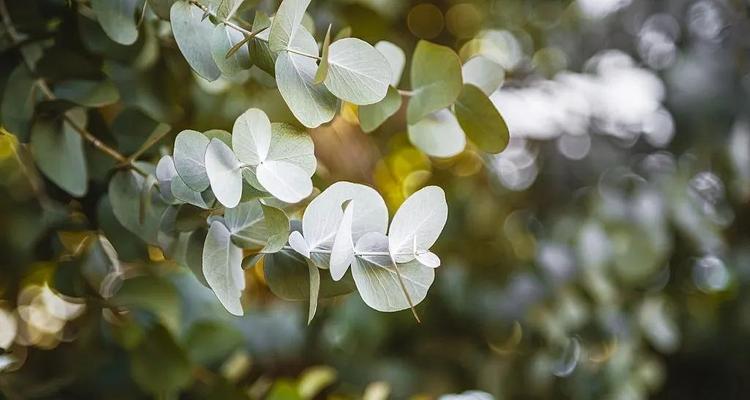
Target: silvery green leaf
column 223, row 39
column 288, row 276
column 184, row 193
column 417, row 224
column 342, row 253
column 292, row 145
column 193, row 36
column 483, row 73
column 285, row 181
column 438, row 134
column 222, row 267
column 481, row 121
column 58, row 152
column 322, row 72
column 377, row 279
column 257, row 226
column 298, row 244
column 314, row 279
column 189, row 159
column 428, row 259
column 311, row 104
column 323, row 215
column 220, row 134
column 395, row 57
column 435, row 79
column 286, row 23
column 277, row 226
column 117, row 18
column 165, row 172
column 251, row 136
column 224, row 173
column 357, row 73
column 373, row 115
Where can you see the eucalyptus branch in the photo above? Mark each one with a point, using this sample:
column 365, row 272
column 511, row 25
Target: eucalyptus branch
column 303, row 54
column 42, row 84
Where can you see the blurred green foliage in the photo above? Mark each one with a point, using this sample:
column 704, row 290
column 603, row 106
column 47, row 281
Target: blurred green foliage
column 604, row 255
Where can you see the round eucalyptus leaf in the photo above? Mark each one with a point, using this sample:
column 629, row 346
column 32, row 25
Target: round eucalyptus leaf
column 256, row 226
column 224, row 173
column 483, row 73
column 378, row 281
column 417, row 224
column 251, row 136
column 223, row 39
column 285, row 181
column 357, row 73
column 373, row 115
column 286, row 23
column 117, row 18
column 58, row 152
column 481, row 121
column 189, row 159
column 222, row 267
column 185, row 194
column 395, row 57
column 292, row 145
column 435, row 80
column 193, row 36
column 438, row 134
column 124, row 189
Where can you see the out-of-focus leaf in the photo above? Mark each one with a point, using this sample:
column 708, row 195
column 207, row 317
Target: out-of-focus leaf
column 373, row 115
column 159, row 365
column 58, row 151
column 481, row 121
column 117, row 18
column 87, row 93
column 438, row 134
column 483, row 73
column 152, row 294
column 287, row 275
column 314, row 379
column 19, row 98
column 435, row 80
column 210, row 341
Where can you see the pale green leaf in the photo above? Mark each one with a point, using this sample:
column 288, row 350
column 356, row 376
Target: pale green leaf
column 481, row 121
column 417, row 224
column 286, row 23
column 193, row 36
column 260, row 52
column 378, row 281
column 314, row 279
column 373, row 115
column 251, row 136
column 438, row 134
column 184, row 193
column 189, row 159
column 222, row 267
column 292, row 145
column 322, row 72
column 256, row 226
column 395, row 57
column 223, row 39
column 435, row 80
column 124, row 188
column 357, row 73
column 224, row 172
column 342, row 252
column 117, row 18
column 311, row 104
